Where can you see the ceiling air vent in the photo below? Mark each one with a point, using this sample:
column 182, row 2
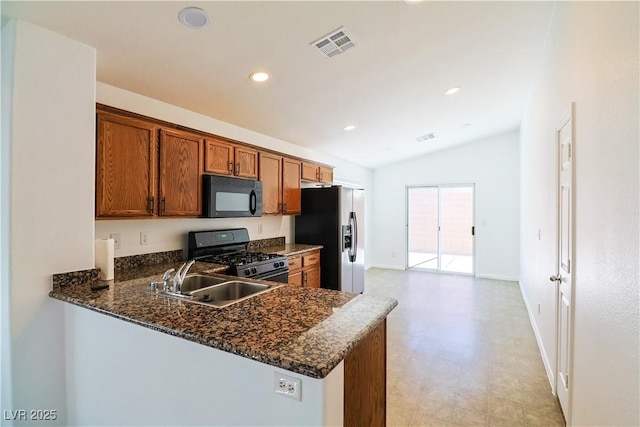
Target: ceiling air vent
column 334, row 43
column 425, row 137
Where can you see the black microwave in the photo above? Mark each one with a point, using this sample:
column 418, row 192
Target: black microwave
column 227, row 197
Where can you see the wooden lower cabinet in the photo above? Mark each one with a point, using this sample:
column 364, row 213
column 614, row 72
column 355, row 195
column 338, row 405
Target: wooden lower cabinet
column 304, row 270
column 365, row 381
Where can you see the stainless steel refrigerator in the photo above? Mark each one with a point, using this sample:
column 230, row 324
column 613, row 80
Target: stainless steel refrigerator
column 334, row 218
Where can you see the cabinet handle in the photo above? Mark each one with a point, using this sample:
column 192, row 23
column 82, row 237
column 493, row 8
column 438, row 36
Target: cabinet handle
column 230, row 168
column 152, row 204
column 304, row 278
column 164, row 205
column 238, row 169
column 318, row 175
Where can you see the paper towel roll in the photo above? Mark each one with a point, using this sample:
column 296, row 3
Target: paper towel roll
column 104, row 258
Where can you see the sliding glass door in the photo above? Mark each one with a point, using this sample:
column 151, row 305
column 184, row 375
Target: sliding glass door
column 440, row 228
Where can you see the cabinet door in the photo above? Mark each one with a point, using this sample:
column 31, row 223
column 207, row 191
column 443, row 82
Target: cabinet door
column 295, row 278
column 311, row 277
column 326, row 175
column 309, row 172
column 126, row 167
column 180, row 177
column 246, row 165
column 218, row 157
column 291, row 198
column 271, row 177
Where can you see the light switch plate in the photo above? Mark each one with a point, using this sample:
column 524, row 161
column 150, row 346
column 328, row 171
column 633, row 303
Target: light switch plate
column 117, row 240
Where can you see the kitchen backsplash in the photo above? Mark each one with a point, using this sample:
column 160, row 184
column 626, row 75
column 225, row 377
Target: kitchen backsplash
column 92, row 275
column 143, row 260
column 257, row 245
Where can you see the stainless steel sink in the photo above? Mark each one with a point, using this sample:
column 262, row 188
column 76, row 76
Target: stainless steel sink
column 193, row 282
column 228, row 293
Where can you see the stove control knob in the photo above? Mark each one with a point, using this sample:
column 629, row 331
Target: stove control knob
column 281, row 263
column 247, row 271
column 254, row 270
column 276, row 264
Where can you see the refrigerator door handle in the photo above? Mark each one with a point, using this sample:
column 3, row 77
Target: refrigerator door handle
column 353, row 251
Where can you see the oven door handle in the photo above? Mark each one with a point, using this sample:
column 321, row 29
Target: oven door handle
column 253, row 202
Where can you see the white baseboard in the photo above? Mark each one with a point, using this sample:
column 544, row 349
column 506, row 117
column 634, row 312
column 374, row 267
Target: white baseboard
column 545, row 359
column 497, row 277
column 388, row 267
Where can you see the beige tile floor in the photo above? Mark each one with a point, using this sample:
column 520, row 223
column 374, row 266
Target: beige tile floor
column 461, row 352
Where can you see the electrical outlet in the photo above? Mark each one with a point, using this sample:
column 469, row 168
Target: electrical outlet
column 287, row 386
column 144, row 237
column 117, row 240
column 259, row 228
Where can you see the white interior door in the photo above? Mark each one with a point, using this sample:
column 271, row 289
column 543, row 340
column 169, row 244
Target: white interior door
column 440, row 231
column 563, row 276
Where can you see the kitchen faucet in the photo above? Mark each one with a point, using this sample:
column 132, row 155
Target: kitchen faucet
column 180, row 275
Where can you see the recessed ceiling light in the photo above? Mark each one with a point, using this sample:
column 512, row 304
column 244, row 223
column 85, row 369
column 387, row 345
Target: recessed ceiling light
column 452, row 90
column 194, row 17
column 259, row 76
column 349, row 127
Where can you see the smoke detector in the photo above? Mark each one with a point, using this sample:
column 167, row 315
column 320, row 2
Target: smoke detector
column 425, row 137
column 334, row 43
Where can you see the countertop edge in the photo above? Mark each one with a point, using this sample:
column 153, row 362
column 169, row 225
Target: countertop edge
column 281, row 362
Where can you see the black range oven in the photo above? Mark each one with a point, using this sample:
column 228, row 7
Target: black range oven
column 229, row 248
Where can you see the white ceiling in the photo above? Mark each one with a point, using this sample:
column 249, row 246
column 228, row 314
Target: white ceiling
column 390, row 85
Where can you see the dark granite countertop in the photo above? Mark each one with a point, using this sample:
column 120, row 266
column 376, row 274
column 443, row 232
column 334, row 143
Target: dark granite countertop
column 290, row 249
column 307, row 331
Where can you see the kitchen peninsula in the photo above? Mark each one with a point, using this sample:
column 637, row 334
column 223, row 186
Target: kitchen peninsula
column 192, row 364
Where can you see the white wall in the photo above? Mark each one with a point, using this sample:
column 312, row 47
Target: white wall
column 592, row 59
column 131, row 375
column 8, row 44
column 51, row 201
column 492, row 165
column 169, row 234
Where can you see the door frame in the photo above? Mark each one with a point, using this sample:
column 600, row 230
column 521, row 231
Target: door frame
column 473, row 220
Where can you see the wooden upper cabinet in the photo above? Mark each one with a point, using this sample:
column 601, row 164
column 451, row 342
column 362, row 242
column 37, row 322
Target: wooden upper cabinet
column 224, row 158
column 246, row 162
column 126, row 165
column 291, row 196
column 326, row 175
column 180, row 186
column 219, row 157
column 309, row 171
column 316, row 173
column 271, row 177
